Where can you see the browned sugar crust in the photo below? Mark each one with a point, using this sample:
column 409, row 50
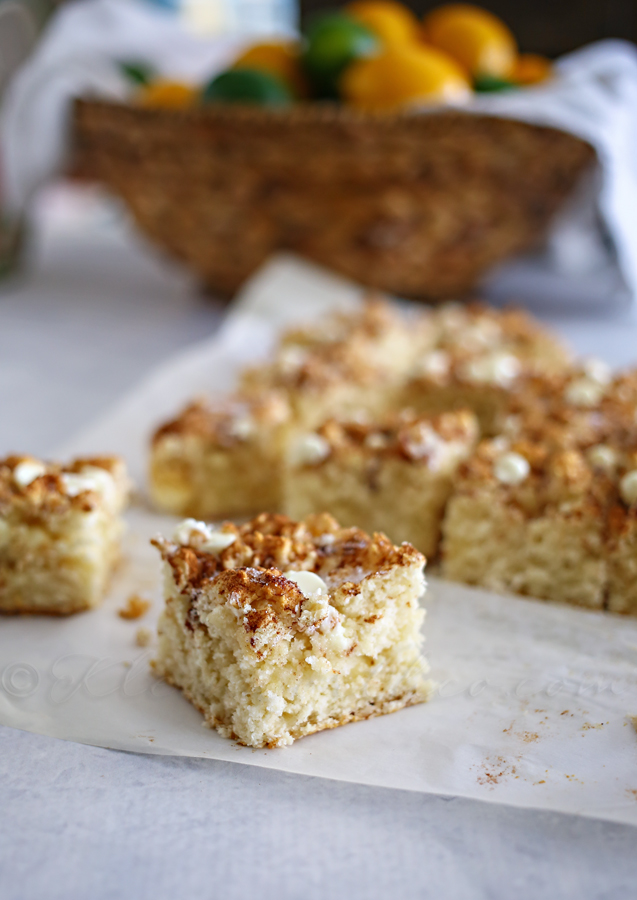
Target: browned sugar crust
column 405, row 435
column 253, row 564
column 556, row 476
column 46, row 494
column 371, row 322
column 217, row 422
column 344, row 347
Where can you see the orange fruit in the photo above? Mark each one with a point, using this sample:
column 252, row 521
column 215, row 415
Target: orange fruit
column 477, row 39
column 280, row 58
column 392, row 22
column 530, row 68
column 405, row 76
column 167, row 94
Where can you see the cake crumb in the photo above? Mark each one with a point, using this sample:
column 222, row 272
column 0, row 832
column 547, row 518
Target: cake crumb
column 143, row 637
column 633, row 719
column 135, row 607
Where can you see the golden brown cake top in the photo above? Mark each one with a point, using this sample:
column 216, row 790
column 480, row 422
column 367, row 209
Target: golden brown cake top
column 29, row 485
column 365, row 346
column 229, row 420
column 532, row 476
column 478, row 345
column 427, row 440
column 580, row 408
column 275, row 567
column 372, row 321
column 475, row 327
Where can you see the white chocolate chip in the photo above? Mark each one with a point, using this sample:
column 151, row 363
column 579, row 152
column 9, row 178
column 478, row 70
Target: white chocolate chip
column 309, row 450
column 584, row 392
column 291, row 359
column 602, row 457
column 218, row 541
column 91, row 478
column 628, row 487
column 309, row 584
column 421, row 441
column 597, row 370
column 499, row 369
column 434, row 365
column 214, row 539
column 242, row 428
column 27, row 471
column 511, row 468
column 184, row 531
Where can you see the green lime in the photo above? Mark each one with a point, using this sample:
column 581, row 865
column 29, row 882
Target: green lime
column 486, row 84
column 247, row 86
column 334, row 40
column 138, row 72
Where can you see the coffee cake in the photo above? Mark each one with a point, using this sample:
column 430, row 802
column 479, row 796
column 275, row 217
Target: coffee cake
column 393, row 476
column 221, row 458
column 277, row 629
column 60, row 529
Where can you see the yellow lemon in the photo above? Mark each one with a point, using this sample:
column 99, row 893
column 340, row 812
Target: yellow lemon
column 477, row 39
column 530, row 68
column 280, row 58
column 390, row 21
column 403, row 77
column 167, row 94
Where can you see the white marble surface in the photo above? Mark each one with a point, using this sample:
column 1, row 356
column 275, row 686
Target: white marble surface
column 95, row 311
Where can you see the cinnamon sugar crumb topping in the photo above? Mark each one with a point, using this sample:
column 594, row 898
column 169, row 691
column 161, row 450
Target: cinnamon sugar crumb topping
column 135, row 607
column 250, row 575
column 228, row 421
column 30, row 484
column 420, row 439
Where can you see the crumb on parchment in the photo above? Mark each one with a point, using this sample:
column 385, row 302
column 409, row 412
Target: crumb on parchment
column 143, row 637
column 135, row 607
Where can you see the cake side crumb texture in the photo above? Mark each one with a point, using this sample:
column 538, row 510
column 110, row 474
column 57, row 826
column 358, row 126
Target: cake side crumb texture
column 291, row 627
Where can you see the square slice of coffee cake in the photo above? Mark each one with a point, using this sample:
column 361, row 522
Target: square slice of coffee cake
column 277, row 629
column 393, row 476
column 220, row 458
column 60, row 529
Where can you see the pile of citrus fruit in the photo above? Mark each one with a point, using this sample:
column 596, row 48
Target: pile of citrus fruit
column 373, row 55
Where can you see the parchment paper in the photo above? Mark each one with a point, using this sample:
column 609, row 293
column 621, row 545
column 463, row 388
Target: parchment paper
column 533, row 700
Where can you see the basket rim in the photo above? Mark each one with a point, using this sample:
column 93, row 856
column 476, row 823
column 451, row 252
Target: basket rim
column 319, row 112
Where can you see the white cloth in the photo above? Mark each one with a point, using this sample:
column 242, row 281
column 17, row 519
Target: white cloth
column 591, row 256
column 76, row 57
column 595, row 97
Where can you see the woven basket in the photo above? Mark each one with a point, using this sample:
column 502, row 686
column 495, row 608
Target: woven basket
column 418, row 205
